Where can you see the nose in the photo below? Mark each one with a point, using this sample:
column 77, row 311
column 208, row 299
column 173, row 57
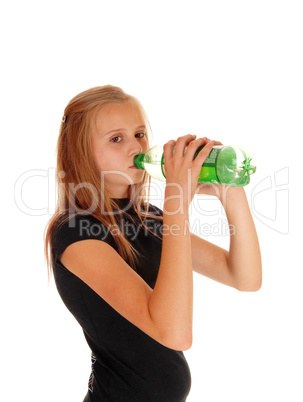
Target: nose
column 135, row 148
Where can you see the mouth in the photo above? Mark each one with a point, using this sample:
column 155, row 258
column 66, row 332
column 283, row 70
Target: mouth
column 134, row 167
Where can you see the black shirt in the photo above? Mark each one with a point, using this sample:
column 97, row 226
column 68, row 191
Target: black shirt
column 127, row 364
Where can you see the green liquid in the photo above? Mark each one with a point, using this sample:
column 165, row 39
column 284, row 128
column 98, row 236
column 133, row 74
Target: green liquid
column 208, row 175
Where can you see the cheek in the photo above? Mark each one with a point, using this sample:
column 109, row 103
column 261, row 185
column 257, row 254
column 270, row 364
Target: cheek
column 105, row 160
column 102, row 160
column 99, row 156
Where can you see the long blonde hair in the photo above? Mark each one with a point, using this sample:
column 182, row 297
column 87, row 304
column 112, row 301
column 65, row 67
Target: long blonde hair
column 76, row 166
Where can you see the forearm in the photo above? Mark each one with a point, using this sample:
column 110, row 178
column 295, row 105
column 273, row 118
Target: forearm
column 171, row 303
column 244, row 258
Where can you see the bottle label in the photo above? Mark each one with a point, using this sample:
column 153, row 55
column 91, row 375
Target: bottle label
column 211, row 158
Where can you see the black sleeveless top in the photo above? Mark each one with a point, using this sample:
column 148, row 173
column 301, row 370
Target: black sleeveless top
column 127, row 364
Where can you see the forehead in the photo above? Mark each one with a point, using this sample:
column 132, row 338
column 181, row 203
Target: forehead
column 118, row 115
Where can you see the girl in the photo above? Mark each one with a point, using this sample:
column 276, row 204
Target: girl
column 123, row 267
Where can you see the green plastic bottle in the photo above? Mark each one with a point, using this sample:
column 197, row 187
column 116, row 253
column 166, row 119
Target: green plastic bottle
column 226, row 165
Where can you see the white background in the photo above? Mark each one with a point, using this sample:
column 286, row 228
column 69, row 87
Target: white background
column 230, row 70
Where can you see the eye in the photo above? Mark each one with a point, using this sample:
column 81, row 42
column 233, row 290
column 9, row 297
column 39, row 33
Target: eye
column 141, row 135
column 113, row 139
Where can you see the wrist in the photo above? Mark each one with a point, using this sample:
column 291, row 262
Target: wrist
column 232, row 197
column 175, row 198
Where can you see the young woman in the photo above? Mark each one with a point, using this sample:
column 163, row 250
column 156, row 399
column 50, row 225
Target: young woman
column 123, row 267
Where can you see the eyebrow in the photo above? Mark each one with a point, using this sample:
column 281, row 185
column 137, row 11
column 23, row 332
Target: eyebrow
column 122, row 129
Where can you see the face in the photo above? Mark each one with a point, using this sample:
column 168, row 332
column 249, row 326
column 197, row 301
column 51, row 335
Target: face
column 119, row 135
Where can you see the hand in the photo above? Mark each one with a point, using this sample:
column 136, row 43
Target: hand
column 181, row 169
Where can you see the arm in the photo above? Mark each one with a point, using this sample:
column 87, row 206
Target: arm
column 171, row 303
column 244, row 258
column 241, row 266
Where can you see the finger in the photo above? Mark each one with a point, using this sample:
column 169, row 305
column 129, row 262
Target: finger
column 216, row 142
column 193, row 146
column 202, row 155
column 182, row 142
column 168, row 149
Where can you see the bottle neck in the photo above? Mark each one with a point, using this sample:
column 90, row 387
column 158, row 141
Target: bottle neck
column 138, row 161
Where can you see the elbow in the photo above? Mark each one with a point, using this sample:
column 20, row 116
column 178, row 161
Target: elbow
column 250, row 287
column 183, row 344
column 186, row 343
column 251, row 282
column 180, row 342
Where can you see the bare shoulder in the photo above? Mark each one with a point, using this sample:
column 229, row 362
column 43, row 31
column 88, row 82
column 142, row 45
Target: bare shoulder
column 100, row 266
